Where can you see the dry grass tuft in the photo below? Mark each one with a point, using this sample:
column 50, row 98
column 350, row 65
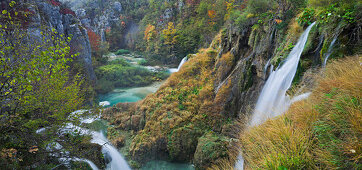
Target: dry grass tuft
column 321, row 132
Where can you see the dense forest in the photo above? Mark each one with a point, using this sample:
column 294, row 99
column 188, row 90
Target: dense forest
column 180, row 84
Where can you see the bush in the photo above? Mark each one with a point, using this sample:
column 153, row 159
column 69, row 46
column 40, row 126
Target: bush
column 122, row 51
column 307, row 17
column 104, row 86
column 119, row 61
column 120, row 74
column 259, row 6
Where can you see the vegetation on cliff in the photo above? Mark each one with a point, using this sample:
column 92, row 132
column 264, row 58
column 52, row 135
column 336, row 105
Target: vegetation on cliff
column 38, row 90
column 120, row 73
column 193, row 117
column 183, row 110
column 322, row 132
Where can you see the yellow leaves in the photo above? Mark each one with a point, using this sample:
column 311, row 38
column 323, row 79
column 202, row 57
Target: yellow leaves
column 8, row 153
column 230, row 5
column 33, row 149
column 170, row 34
column 12, row 3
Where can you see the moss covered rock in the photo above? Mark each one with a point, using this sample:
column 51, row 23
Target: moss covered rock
column 210, row 148
column 182, row 143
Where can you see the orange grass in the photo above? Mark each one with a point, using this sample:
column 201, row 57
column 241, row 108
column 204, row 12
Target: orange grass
column 321, row 132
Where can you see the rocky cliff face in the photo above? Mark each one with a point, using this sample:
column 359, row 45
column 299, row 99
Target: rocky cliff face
column 194, row 116
column 53, row 14
column 99, row 16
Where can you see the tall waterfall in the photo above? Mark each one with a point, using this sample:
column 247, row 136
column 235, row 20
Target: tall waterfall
column 273, row 99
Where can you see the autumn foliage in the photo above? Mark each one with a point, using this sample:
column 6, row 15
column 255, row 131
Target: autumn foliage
column 94, row 39
column 170, row 34
column 150, row 32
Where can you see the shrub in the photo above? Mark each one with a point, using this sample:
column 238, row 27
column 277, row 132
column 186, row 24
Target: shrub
column 122, row 51
column 259, row 6
column 307, row 17
column 120, row 74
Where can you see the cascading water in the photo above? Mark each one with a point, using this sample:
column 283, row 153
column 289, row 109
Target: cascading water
column 330, row 50
column 273, row 100
column 116, row 160
column 183, row 61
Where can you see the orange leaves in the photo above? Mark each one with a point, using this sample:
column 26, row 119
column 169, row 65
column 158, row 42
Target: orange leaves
column 94, row 39
column 150, row 32
column 278, row 21
column 8, row 153
column 211, row 14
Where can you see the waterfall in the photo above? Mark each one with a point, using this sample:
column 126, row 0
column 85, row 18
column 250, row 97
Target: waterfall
column 273, row 100
column 104, row 103
column 329, row 52
column 90, row 163
column 183, row 61
column 116, row 160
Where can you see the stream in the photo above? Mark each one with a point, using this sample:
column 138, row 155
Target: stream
column 134, row 94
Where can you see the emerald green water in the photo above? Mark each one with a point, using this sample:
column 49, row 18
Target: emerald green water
column 125, row 95
column 164, row 165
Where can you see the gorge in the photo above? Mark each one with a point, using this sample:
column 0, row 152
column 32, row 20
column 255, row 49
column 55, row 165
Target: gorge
column 180, row 84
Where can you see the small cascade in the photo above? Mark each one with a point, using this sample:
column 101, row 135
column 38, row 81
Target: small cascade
column 104, row 103
column 116, row 160
column 183, row 61
column 273, row 99
column 266, row 66
column 90, row 163
column 300, row 97
column 330, row 50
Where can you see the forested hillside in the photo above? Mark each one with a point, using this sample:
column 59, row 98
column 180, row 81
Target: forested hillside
column 180, row 84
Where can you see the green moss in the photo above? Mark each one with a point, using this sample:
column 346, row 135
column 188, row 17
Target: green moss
column 182, row 142
column 122, row 51
column 210, row 148
column 312, row 40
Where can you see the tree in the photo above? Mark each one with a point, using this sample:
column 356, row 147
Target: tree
column 36, row 88
column 94, row 40
column 170, row 34
column 150, row 35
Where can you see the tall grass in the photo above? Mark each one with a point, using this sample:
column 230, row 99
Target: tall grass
column 321, row 132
